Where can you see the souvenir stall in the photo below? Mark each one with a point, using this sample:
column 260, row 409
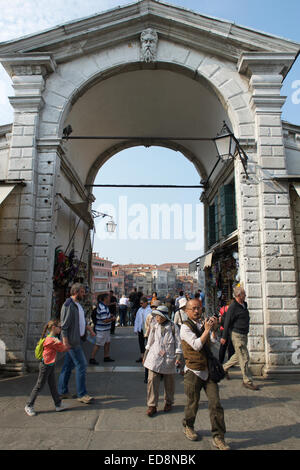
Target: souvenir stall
column 221, row 277
column 67, row 270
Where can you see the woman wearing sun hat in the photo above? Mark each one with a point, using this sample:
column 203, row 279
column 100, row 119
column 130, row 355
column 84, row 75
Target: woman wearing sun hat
column 163, row 354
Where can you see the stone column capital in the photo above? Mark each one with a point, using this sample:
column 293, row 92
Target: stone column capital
column 266, row 63
column 28, row 73
column 266, row 71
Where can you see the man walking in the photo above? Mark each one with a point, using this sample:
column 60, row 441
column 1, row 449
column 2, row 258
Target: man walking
column 194, row 335
column 102, row 328
column 139, row 324
column 73, row 329
column 237, row 321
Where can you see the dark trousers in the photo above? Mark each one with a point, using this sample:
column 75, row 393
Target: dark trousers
column 141, row 341
column 123, row 314
column 46, row 374
column 228, row 346
column 192, row 388
column 146, row 370
column 113, row 327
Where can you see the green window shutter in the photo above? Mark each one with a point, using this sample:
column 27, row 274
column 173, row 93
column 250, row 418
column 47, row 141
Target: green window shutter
column 211, row 225
column 216, row 204
column 227, row 209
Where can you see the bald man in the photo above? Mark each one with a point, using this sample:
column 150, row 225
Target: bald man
column 237, row 322
column 194, row 335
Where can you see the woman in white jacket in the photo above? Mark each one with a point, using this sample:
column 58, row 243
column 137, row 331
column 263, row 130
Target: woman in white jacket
column 163, row 354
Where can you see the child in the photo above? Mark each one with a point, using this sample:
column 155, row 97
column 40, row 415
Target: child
column 47, row 367
column 163, row 353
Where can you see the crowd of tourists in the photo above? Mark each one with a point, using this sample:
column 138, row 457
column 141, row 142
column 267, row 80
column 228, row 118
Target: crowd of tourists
column 174, row 335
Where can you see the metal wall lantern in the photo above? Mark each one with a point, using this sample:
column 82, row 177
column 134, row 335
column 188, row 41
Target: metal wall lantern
column 228, row 147
column 111, row 225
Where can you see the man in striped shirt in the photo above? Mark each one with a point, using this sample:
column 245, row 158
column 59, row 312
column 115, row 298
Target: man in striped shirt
column 102, row 328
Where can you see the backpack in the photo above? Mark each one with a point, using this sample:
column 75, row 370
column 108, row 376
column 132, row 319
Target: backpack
column 38, row 352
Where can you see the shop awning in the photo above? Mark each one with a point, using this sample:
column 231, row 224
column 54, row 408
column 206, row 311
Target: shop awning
column 202, row 262
column 81, row 209
column 5, row 190
column 208, row 260
column 297, row 188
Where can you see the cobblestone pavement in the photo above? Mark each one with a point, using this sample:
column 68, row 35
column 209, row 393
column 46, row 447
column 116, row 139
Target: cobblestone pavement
column 268, row 419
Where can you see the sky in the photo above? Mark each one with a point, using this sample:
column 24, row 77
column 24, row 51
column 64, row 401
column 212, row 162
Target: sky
column 143, row 238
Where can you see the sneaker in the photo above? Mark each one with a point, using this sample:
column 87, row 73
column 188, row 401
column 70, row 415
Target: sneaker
column 93, row 362
column 85, row 399
column 220, row 444
column 251, row 386
column 151, row 411
column 29, row 410
column 61, row 407
column 190, row 433
column 108, row 359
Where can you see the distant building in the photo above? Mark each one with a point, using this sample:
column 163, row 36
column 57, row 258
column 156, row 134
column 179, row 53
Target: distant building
column 118, row 280
column 181, row 269
column 102, row 275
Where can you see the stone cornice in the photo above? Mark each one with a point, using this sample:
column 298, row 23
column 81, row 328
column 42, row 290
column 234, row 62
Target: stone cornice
column 27, row 103
column 85, row 36
column 267, row 103
column 29, row 64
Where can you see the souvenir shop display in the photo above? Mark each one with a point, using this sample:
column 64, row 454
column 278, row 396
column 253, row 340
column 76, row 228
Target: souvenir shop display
column 220, row 279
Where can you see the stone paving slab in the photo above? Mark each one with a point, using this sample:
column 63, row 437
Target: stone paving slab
column 268, row 419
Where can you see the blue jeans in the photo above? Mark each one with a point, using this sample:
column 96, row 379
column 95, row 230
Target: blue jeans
column 73, row 358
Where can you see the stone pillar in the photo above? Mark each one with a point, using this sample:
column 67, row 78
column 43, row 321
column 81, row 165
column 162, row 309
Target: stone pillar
column 25, row 241
column 268, row 244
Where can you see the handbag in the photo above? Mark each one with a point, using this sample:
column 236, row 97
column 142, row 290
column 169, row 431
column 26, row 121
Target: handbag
column 215, row 368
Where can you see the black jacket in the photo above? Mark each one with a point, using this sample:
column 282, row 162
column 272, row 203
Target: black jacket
column 237, row 319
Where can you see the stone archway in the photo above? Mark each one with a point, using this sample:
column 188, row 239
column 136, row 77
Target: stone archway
column 53, row 83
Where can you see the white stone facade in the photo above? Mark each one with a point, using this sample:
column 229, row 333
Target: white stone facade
column 90, row 74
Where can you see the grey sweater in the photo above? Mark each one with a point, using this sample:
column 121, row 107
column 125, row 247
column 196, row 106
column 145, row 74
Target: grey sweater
column 69, row 316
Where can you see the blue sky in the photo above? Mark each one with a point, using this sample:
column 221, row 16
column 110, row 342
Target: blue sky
column 22, row 17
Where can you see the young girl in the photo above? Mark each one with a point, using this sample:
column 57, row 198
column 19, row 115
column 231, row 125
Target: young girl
column 47, row 367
